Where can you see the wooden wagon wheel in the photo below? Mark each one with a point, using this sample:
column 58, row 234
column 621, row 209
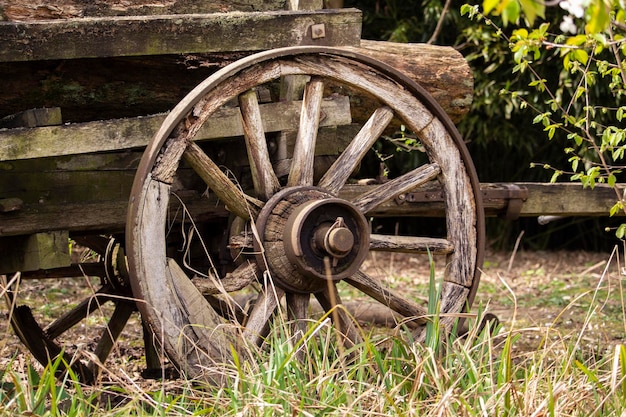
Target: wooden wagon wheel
column 111, row 301
column 307, row 237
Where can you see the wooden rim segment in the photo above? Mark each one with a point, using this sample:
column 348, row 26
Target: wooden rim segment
column 196, row 334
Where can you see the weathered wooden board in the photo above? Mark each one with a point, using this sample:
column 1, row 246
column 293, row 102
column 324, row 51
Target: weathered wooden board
column 175, row 34
column 28, row 10
column 123, row 134
column 543, row 199
column 570, row 199
column 563, row 199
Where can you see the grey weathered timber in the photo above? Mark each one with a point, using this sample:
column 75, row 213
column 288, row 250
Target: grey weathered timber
column 265, row 181
column 379, row 291
column 301, row 172
column 29, row 10
column 563, row 199
column 175, row 34
column 123, row 134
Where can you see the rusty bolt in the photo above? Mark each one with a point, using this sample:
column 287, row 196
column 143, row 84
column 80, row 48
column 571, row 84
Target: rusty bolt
column 318, row 31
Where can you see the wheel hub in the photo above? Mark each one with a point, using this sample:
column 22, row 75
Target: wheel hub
column 309, row 237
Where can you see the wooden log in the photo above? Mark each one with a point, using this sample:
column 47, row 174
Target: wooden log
column 175, row 34
column 123, row 87
column 442, row 71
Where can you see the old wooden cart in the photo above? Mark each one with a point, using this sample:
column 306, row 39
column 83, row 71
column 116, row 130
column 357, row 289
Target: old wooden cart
column 254, row 192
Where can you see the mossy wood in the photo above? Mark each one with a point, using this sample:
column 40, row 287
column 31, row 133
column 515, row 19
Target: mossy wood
column 123, row 87
column 175, row 34
column 29, row 10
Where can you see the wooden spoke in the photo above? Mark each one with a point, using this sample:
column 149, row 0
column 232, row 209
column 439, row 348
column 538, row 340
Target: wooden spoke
column 77, row 314
column 301, row 172
column 410, row 244
column 112, row 331
column 298, row 312
column 234, row 198
column 263, row 177
column 397, row 303
column 258, row 321
column 389, row 190
column 330, row 301
column 348, row 161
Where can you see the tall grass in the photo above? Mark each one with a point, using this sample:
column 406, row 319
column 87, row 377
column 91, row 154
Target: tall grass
column 482, row 373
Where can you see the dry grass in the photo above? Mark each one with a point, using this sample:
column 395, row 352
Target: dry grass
column 558, row 351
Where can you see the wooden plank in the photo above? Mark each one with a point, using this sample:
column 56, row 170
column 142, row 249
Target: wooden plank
column 570, row 199
column 121, row 134
column 175, row 34
column 33, row 118
column 554, row 199
column 562, row 199
column 29, row 10
column 103, row 216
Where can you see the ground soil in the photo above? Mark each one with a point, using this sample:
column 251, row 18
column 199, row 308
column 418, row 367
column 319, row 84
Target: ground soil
column 542, row 296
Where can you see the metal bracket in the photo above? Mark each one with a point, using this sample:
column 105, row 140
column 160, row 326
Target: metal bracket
column 513, row 194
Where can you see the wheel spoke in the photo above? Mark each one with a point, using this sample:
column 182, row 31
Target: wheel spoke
column 330, row 301
column 397, row 303
column 234, row 198
column 111, row 332
column 338, row 173
column 258, row 320
column 410, row 244
column 77, row 314
column 298, row 312
column 301, row 172
column 389, row 190
column 265, row 181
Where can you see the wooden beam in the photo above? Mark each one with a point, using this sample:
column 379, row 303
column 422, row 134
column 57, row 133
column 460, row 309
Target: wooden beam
column 38, row 251
column 563, row 199
column 175, row 34
column 123, row 134
column 29, row 10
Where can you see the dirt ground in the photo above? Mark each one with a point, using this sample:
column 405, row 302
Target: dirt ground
column 541, row 295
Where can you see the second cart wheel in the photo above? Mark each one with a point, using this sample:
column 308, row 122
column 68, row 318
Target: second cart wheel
column 309, row 235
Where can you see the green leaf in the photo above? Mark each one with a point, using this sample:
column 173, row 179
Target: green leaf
column 489, row 5
column 598, row 19
column 581, row 56
column 532, row 9
column 510, row 12
column 611, row 180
